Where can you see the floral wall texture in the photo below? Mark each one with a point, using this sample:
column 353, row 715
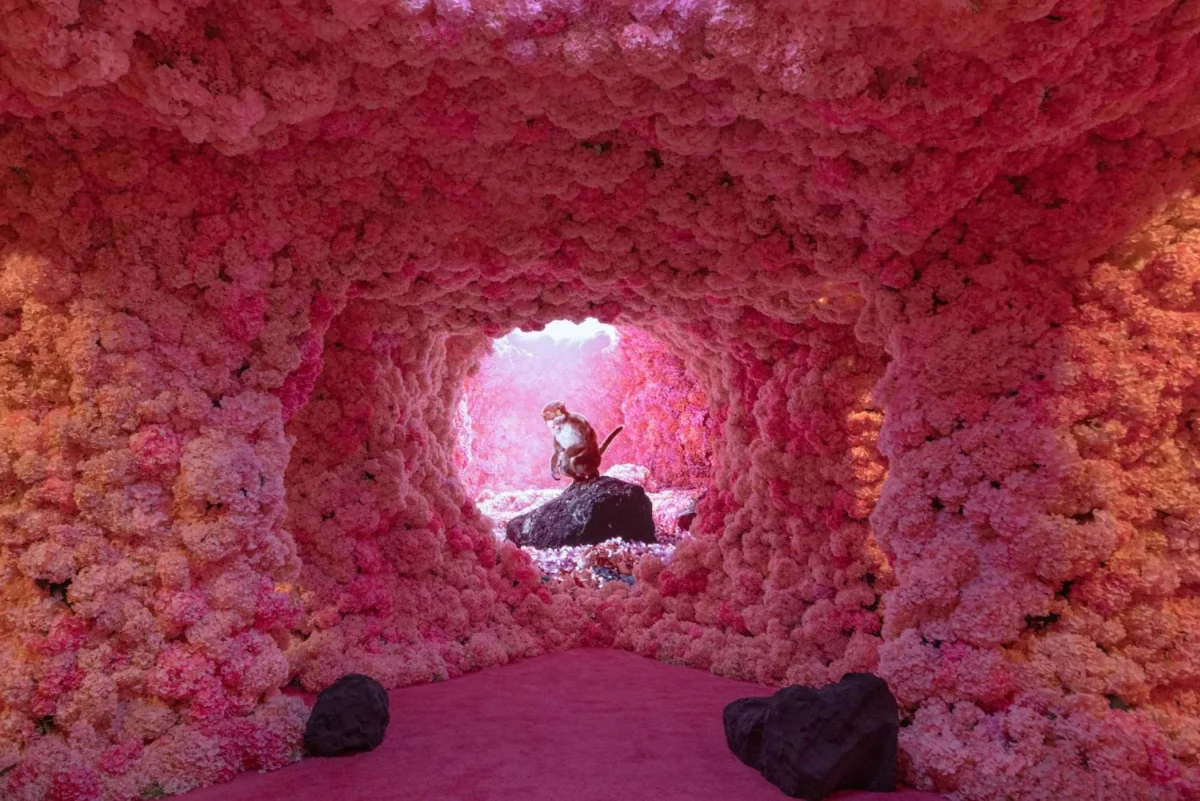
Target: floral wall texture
column 935, row 266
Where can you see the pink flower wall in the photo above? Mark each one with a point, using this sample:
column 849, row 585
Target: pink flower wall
column 667, row 418
column 935, row 267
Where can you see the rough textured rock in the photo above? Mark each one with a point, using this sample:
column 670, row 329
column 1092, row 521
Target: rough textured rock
column 587, row 514
column 813, row 742
column 350, row 716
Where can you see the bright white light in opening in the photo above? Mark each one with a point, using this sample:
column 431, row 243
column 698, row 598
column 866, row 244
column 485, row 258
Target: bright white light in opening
column 563, row 331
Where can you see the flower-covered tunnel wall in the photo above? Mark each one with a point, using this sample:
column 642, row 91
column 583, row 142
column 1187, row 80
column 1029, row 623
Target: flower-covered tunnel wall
column 935, row 266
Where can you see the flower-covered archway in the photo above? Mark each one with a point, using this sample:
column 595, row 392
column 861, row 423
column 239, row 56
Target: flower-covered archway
column 934, row 265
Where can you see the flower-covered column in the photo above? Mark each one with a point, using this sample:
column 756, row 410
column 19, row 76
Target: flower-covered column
column 1042, row 514
column 141, row 529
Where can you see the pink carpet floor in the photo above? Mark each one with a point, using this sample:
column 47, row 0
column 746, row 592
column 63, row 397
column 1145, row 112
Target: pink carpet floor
column 586, row 725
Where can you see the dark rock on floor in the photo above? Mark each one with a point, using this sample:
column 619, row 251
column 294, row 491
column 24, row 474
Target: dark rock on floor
column 587, row 514
column 350, row 716
column 813, row 742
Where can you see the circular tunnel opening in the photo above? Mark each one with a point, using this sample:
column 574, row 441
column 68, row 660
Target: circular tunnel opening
column 403, row 575
column 629, row 385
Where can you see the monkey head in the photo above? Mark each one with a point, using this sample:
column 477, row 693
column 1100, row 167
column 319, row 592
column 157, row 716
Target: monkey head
column 553, row 410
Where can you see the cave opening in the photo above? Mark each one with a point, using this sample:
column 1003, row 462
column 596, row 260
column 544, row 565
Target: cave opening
column 614, row 377
column 401, row 574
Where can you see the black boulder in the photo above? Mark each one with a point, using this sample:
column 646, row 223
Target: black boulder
column 812, row 742
column 350, row 716
column 587, row 513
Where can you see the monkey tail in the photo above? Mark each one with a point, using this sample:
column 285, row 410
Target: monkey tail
column 608, row 440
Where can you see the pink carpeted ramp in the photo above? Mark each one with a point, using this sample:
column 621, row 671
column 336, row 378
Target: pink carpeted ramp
column 587, row 725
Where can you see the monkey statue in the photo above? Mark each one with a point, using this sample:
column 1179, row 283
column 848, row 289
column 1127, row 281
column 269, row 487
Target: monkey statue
column 576, row 452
